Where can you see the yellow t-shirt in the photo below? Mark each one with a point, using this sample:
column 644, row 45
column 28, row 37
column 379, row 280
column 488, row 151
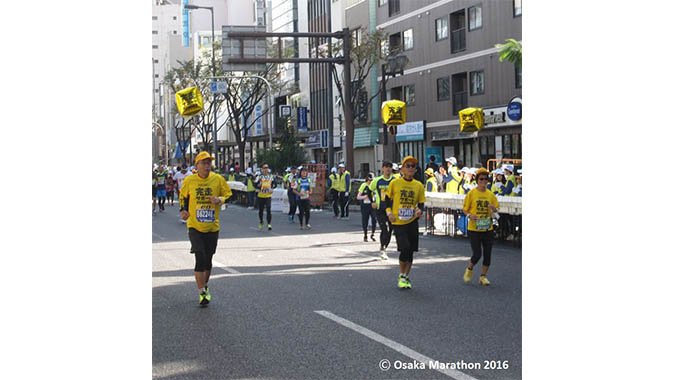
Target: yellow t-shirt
column 406, row 195
column 204, row 216
column 266, row 186
column 477, row 203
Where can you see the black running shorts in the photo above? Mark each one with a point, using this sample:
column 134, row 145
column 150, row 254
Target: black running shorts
column 203, row 247
column 407, row 239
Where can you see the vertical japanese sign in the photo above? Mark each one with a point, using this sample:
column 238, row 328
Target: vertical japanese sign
column 258, row 122
column 186, row 25
column 499, row 147
column 302, row 119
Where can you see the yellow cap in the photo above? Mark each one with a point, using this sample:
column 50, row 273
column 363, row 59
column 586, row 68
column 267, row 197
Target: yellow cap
column 408, row 158
column 481, row 171
column 202, row 156
column 429, row 171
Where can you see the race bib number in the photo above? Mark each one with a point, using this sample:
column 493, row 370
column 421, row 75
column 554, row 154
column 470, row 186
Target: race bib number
column 205, row 215
column 304, row 195
column 266, row 187
column 366, row 201
column 483, row 224
column 161, row 181
column 293, row 185
column 405, row 213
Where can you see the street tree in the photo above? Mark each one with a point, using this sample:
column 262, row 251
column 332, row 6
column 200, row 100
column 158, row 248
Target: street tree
column 365, row 54
column 510, row 51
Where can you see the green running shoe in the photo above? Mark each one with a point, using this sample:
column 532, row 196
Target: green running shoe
column 401, row 282
column 269, row 227
column 408, row 284
column 261, row 225
column 204, row 299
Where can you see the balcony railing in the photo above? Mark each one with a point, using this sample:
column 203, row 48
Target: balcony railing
column 459, row 101
column 458, row 40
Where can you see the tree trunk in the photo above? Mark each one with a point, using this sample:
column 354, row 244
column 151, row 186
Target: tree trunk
column 242, row 154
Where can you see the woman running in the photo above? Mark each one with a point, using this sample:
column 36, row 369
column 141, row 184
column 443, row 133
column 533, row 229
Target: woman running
column 365, row 196
column 479, row 206
column 303, row 191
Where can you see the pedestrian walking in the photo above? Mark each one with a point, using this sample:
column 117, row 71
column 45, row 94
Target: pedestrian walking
column 334, row 194
column 289, row 183
column 404, row 205
column 480, row 205
column 379, row 186
column 201, row 196
column 366, row 198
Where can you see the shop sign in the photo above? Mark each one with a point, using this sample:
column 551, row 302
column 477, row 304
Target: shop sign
column 313, row 140
column 495, row 118
column 514, row 110
column 412, row 131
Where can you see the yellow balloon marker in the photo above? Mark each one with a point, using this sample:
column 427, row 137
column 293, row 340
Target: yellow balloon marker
column 189, row 101
column 393, row 112
column 471, row 119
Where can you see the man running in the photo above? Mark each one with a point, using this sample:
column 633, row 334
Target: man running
column 180, row 178
column 378, row 187
column 404, row 206
column 289, row 182
column 302, row 190
column 162, row 176
column 265, row 183
column 366, row 197
column 200, row 199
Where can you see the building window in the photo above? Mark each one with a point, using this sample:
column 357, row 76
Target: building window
column 393, row 7
column 518, row 77
column 475, row 17
column 154, row 17
column 408, row 40
column 155, row 46
column 175, row 32
column 408, row 94
column 443, row 88
column 156, row 75
column 384, row 48
column 441, row 26
column 477, row 82
column 457, row 24
column 382, row 2
column 175, row 18
column 156, row 61
column 356, row 37
column 394, row 43
column 459, row 93
column 517, row 8
column 155, row 32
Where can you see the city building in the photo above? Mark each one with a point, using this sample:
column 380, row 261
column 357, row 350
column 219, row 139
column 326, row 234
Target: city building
column 452, row 64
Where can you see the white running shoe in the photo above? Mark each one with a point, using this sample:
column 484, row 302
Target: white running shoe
column 383, row 255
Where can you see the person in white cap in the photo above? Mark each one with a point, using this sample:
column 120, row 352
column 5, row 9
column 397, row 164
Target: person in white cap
column 334, row 194
column 250, row 188
column 396, row 174
column 517, row 190
column 499, row 182
column 453, row 177
column 511, row 181
column 343, row 187
column 289, row 182
column 231, row 176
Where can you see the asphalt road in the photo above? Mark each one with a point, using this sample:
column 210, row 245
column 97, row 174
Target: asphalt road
column 321, row 304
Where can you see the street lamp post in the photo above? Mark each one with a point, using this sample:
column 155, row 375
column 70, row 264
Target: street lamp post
column 215, row 96
column 396, row 65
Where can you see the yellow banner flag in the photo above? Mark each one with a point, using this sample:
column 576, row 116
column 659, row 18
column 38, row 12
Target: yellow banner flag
column 394, row 112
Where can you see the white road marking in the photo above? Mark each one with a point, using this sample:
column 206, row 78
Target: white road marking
column 458, row 375
column 227, row 269
column 345, row 250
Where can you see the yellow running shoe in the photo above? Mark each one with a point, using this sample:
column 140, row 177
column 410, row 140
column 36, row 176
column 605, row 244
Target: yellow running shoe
column 402, row 284
column 467, row 275
column 484, row 281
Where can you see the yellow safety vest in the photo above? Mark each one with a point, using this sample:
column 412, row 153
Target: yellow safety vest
column 340, row 181
column 434, row 184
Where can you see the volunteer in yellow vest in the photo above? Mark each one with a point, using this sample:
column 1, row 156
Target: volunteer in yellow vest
column 343, row 187
column 396, row 174
column 453, row 177
column 378, row 187
column 250, row 188
column 480, row 205
column 499, row 183
column 334, row 194
column 404, row 205
column 431, row 181
column 265, row 183
column 231, row 176
column 511, row 181
column 201, row 196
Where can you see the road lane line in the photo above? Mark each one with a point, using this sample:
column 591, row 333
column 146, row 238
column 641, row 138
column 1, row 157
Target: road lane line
column 345, row 250
column 227, row 269
column 458, row 375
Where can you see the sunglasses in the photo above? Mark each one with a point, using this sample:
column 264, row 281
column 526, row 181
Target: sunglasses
column 410, row 166
column 265, row 167
column 483, row 179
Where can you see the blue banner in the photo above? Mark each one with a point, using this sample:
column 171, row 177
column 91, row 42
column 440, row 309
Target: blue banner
column 186, row 25
column 258, row 122
column 302, row 119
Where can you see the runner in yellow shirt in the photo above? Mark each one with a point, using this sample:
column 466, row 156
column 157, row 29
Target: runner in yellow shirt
column 404, row 205
column 200, row 198
column 479, row 206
